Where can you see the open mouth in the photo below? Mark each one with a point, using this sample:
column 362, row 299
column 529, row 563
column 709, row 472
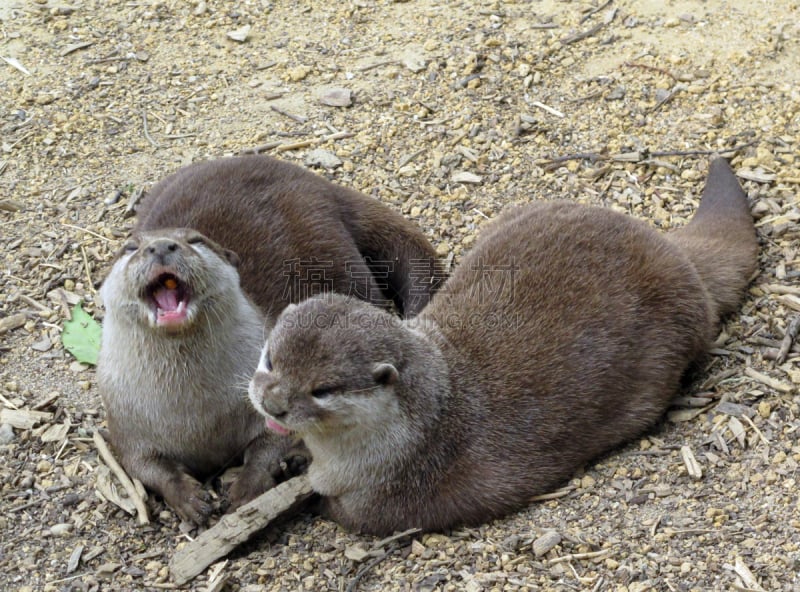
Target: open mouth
column 171, row 297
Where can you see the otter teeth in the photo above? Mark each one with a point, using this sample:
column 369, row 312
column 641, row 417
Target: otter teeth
column 170, row 311
column 178, row 310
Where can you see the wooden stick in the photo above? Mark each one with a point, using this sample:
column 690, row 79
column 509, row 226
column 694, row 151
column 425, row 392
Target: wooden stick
column 769, row 381
column 292, row 116
column 589, row 14
column 589, row 555
column 233, row 529
column 153, row 143
column 582, row 35
column 127, row 483
column 788, row 340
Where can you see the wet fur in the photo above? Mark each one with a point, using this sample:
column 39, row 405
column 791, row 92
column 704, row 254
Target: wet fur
column 604, row 316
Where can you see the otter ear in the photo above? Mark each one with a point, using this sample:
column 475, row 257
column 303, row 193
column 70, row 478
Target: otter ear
column 385, row 373
column 232, row 257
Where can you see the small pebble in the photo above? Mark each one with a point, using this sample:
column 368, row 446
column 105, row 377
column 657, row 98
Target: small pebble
column 61, row 529
column 6, row 434
column 322, row 158
column 546, row 542
column 299, row 73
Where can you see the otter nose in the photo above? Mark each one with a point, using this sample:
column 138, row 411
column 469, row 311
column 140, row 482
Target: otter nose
column 271, row 394
column 160, row 250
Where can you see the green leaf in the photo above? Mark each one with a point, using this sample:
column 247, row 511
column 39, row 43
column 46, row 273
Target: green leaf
column 81, row 336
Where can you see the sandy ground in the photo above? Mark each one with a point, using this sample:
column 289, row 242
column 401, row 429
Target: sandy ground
column 458, row 109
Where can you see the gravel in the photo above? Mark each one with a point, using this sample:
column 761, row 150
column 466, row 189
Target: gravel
column 448, row 113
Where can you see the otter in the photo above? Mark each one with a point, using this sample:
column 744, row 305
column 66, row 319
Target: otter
column 179, row 339
column 564, row 333
column 297, row 234
column 220, row 248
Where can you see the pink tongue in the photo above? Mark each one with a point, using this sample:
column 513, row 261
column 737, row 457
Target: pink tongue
column 169, row 310
column 276, row 427
column 166, row 299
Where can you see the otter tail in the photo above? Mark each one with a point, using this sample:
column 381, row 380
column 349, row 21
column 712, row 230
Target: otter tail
column 720, row 240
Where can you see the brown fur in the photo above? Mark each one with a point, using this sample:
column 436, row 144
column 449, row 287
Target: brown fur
column 504, row 385
column 175, row 397
column 270, row 212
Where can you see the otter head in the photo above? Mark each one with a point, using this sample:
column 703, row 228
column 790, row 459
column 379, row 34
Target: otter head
column 167, row 279
column 331, row 364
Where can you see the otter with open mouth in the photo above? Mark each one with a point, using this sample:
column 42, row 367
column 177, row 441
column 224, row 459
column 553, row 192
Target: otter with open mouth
column 178, row 336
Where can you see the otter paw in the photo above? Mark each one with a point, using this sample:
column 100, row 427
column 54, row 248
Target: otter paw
column 293, row 463
column 189, row 500
column 250, row 484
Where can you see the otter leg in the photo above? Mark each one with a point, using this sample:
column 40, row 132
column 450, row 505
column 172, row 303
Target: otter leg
column 268, row 460
column 182, row 492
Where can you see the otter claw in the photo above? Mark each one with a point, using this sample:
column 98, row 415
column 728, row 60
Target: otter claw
column 189, row 500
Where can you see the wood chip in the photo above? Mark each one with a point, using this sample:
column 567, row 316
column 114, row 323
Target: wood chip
column 781, row 289
column 24, row 419
column 241, row 34
column 769, row 381
column 356, row 552
column 578, row 556
column 75, row 47
column 107, row 488
column 15, row 63
column 56, row 432
column 737, row 429
column 234, row 529
column 466, row 177
column 135, row 492
column 546, row 542
column 790, row 301
column 217, row 578
column 757, row 176
column 11, row 322
column 74, row 559
column 547, row 108
column 336, row 97
column 692, row 466
column 788, row 339
column 681, row 415
column 748, row 579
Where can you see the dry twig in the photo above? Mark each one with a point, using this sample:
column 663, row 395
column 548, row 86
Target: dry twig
column 788, row 340
column 233, row 529
column 134, row 493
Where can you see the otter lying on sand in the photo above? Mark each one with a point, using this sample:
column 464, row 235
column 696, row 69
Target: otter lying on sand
column 564, row 333
column 181, row 336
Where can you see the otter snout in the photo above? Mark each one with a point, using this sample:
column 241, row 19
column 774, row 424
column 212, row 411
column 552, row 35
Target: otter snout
column 268, row 396
column 161, row 250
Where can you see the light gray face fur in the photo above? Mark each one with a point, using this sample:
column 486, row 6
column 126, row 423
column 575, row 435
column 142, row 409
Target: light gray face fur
column 347, row 408
column 202, row 269
column 292, row 408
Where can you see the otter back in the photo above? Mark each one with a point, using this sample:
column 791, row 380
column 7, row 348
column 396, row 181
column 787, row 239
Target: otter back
column 296, row 233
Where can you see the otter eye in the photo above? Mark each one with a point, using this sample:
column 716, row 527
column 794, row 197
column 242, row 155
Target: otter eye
column 195, row 239
column 130, row 247
column 268, row 363
column 323, row 392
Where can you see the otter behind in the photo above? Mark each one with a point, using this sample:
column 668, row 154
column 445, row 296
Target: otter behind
column 564, row 333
